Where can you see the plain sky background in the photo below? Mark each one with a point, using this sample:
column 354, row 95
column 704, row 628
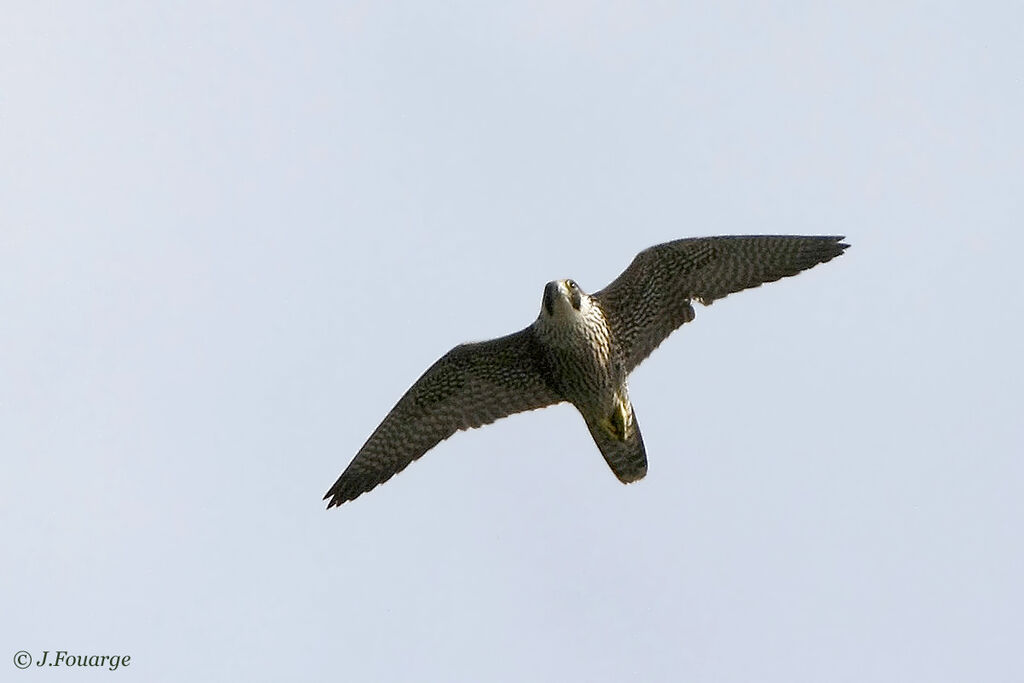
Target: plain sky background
column 233, row 233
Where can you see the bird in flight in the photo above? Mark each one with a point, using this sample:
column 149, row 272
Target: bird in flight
column 580, row 349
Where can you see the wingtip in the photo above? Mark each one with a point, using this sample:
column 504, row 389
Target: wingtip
column 334, row 500
column 831, row 247
column 339, row 495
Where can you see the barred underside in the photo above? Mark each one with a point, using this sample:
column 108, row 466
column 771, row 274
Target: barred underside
column 653, row 296
column 470, row 386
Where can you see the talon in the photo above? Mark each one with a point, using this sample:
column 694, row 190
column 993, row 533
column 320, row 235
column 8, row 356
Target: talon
column 615, row 424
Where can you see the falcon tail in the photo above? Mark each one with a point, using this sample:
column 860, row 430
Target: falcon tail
column 618, row 438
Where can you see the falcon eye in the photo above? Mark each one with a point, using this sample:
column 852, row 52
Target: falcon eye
column 575, row 296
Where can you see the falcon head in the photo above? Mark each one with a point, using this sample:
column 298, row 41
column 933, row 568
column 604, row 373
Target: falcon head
column 562, row 298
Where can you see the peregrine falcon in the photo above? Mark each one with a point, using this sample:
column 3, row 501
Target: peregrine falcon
column 580, row 349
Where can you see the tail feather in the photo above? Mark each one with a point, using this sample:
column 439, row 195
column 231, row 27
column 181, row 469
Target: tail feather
column 621, row 445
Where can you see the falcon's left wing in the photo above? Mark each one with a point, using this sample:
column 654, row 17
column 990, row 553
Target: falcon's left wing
column 652, row 297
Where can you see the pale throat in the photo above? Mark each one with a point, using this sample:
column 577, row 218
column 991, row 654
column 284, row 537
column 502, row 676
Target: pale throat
column 584, row 330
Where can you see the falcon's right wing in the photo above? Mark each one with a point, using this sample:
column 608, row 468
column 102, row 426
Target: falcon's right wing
column 470, row 386
column 651, row 298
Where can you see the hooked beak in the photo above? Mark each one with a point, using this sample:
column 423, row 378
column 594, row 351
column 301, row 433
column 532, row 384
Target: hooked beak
column 550, row 294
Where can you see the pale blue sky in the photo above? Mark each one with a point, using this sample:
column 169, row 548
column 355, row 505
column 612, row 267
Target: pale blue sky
column 232, row 234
